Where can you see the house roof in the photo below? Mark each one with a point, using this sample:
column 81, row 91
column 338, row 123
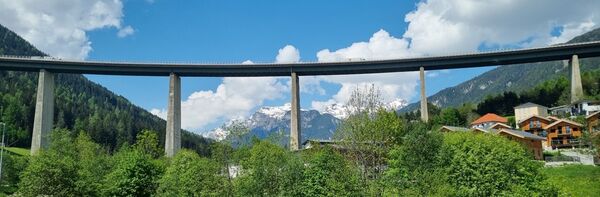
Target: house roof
column 560, row 107
column 486, row 130
column 529, row 104
column 521, row 134
column 453, row 128
column 319, row 141
column 553, row 118
column 563, row 120
column 500, row 124
column 535, row 116
column 592, row 115
column 490, row 117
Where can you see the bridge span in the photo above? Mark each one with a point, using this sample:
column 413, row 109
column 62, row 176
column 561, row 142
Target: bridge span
column 43, row 119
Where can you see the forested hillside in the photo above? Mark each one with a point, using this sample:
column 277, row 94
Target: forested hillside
column 80, row 106
column 515, row 78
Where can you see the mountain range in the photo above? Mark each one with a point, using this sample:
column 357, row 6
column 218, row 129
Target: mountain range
column 515, row 78
column 314, row 124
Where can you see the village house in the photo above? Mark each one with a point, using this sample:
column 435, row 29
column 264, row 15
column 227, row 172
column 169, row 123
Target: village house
column 488, row 120
column 563, row 133
column 529, row 109
column 532, row 143
column 593, row 122
column 579, row 108
column 535, row 125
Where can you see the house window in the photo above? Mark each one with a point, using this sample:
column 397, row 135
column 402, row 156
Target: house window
column 568, row 129
column 559, row 130
column 531, row 124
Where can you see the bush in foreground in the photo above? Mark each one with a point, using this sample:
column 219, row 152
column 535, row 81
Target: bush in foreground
column 190, row 175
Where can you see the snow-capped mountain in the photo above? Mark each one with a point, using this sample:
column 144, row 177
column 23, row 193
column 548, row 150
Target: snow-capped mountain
column 341, row 111
column 270, row 120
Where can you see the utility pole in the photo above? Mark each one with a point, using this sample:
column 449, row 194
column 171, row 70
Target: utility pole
column 3, row 147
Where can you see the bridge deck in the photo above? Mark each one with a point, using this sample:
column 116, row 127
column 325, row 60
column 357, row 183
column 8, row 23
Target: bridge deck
column 550, row 53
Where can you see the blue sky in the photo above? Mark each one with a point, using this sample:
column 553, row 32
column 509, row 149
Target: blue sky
column 211, row 31
column 264, row 31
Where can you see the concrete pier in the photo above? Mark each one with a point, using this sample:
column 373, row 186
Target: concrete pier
column 576, row 87
column 44, row 111
column 173, row 135
column 295, row 116
column 424, row 112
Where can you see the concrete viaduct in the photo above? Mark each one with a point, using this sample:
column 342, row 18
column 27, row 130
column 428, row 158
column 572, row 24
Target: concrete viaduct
column 43, row 119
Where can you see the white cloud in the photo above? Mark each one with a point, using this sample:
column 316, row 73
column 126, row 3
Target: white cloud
column 160, row 113
column 380, row 46
column 126, row 31
column 288, row 54
column 233, row 98
column 58, row 27
column 449, row 26
column 452, row 26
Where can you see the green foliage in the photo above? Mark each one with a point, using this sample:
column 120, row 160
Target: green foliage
column 329, row 174
column 415, row 167
column 269, row 171
column 93, row 164
column 550, row 93
column 12, row 167
column 52, row 172
column 147, row 143
column 190, row 175
column 574, row 180
column 80, row 105
column 134, row 174
column 488, row 165
column 450, row 116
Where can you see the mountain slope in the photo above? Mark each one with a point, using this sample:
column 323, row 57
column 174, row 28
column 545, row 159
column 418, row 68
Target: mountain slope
column 514, row 78
column 275, row 122
column 80, row 105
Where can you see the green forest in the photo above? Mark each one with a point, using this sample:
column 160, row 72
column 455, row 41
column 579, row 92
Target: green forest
column 80, row 105
column 420, row 163
column 551, row 93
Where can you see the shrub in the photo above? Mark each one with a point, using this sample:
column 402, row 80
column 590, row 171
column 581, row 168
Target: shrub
column 190, row 175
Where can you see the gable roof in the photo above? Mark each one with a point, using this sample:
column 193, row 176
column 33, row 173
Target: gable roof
column 529, row 104
column 490, row 117
column 592, row 115
column 500, row 124
column 535, row 116
column 563, row 120
column 453, row 128
column 487, row 130
column 553, row 118
column 521, row 134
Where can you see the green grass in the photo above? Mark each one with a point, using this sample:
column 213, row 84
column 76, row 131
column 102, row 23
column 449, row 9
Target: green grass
column 18, row 151
column 575, row 180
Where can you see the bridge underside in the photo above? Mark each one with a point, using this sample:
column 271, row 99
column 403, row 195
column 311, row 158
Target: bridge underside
column 45, row 94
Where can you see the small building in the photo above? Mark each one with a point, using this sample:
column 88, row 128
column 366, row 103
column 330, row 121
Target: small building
column 488, row 120
column 563, row 133
column 453, row 129
column 529, row 109
column 579, row 108
column 593, row 122
column 535, row 125
column 532, row 143
column 585, row 108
